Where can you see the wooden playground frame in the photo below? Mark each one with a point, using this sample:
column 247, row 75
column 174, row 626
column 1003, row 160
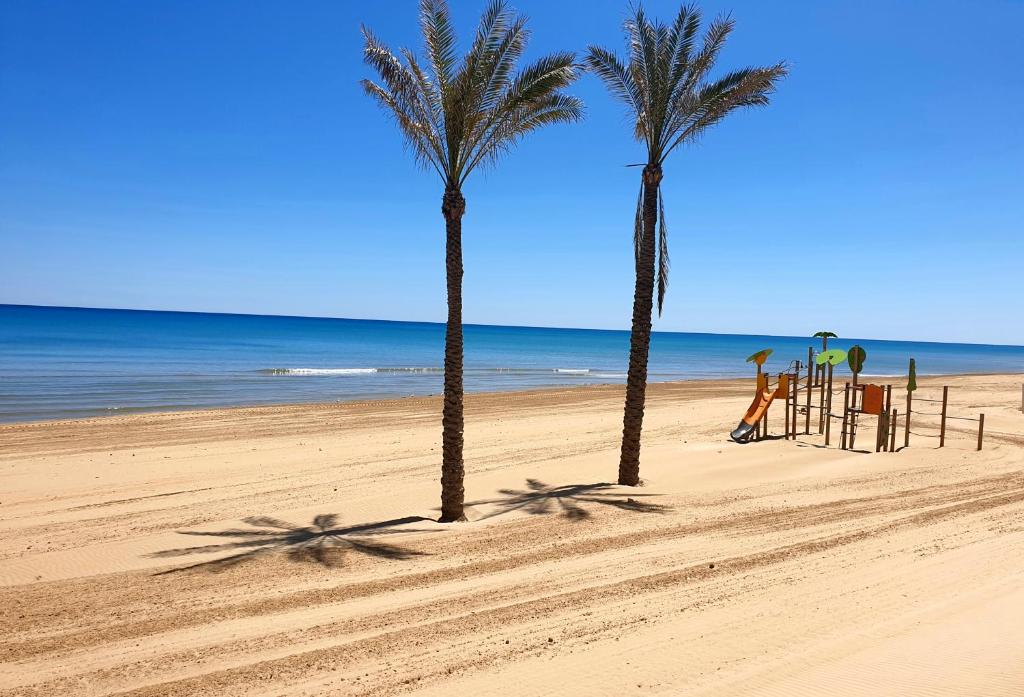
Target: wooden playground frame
column 807, row 380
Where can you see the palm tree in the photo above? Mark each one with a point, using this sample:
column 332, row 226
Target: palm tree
column 824, row 336
column 455, row 116
column 665, row 85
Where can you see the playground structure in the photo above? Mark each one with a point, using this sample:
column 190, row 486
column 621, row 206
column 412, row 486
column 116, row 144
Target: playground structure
column 800, row 383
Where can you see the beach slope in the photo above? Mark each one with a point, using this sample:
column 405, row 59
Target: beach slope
column 292, row 550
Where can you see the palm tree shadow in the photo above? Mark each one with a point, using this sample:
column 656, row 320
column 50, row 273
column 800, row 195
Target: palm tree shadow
column 322, row 542
column 571, row 500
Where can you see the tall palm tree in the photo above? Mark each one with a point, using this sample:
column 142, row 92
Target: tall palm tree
column 665, row 85
column 457, row 115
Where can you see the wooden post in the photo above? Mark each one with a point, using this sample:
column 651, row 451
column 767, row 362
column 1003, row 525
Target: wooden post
column 785, row 431
column 906, row 417
column 883, row 425
column 981, row 429
column 828, row 407
column 795, row 381
column 854, row 417
column 889, row 414
column 822, row 414
column 810, row 361
column 942, row 426
column 892, row 430
column 846, row 414
column 796, row 399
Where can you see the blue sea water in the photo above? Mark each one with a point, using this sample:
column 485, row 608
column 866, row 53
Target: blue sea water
column 60, row 363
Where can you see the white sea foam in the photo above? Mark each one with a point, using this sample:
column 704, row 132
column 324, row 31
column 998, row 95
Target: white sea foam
column 405, row 370
column 321, row 371
column 346, row 371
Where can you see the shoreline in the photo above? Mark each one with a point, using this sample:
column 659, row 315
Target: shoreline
column 729, row 382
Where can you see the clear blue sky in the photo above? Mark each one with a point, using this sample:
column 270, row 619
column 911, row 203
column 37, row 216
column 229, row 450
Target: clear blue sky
column 220, row 156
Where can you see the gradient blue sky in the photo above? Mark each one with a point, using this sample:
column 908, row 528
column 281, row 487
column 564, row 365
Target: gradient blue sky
column 220, row 156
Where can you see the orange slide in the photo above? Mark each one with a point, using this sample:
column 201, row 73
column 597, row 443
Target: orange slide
column 762, row 400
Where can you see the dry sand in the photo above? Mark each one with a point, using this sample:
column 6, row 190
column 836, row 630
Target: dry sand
column 291, row 551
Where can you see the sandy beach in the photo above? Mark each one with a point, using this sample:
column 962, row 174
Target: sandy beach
column 292, row 550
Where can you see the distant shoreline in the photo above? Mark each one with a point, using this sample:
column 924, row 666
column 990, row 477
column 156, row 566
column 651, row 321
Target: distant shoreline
column 729, row 386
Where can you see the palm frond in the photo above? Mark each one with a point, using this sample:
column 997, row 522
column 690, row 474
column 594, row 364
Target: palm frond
column 531, row 100
column 616, row 76
column 499, row 45
column 428, row 93
column 463, row 106
column 638, row 225
column 663, row 260
column 498, row 71
column 439, row 39
column 682, row 40
column 409, row 99
column 714, row 40
column 422, row 145
column 713, row 102
column 457, row 115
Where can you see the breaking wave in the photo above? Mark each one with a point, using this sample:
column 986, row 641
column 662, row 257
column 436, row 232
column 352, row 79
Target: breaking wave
column 340, row 372
column 344, row 371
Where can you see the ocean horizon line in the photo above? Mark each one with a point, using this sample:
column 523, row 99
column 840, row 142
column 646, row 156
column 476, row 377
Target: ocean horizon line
column 496, row 326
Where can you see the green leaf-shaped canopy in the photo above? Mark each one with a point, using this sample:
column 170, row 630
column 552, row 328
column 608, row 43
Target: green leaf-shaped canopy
column 832, row 356
column 856, row 357
column 760, row 357
column 825, row 335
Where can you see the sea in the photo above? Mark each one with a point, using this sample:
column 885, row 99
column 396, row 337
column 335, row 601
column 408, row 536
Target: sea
column 68, row 363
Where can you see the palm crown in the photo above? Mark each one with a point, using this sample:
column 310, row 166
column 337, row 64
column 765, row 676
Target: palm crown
column 665, row 85
column 456, row 115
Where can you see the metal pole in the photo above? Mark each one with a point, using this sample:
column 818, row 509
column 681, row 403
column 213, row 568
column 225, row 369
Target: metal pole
column 942, row 427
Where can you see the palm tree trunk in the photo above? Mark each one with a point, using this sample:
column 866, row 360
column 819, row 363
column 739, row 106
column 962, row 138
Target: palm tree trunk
column 640, row 336
column 453, row 206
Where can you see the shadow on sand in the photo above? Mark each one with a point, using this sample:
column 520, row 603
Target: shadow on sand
column 322, row 542
column 571, row 500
